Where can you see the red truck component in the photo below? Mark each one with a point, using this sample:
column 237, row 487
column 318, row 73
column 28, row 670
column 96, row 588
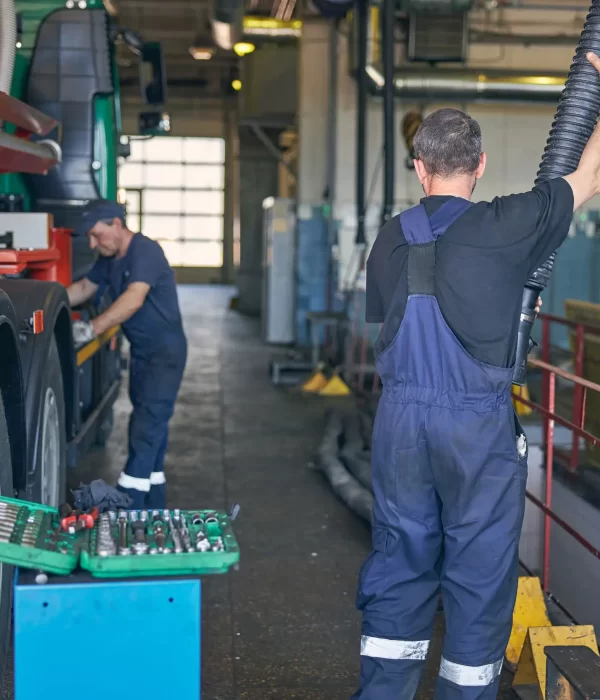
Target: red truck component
column 17, row 152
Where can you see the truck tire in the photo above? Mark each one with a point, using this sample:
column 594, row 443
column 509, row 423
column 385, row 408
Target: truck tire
column 51, row 452
column 6, row 571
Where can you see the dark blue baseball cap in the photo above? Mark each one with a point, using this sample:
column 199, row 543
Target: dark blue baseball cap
column 95, row 211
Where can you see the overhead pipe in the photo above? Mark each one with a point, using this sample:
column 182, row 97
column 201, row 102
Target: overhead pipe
column 470, row 85
column 478, row 36
column 389, row 130
column 574, row 122
column 516, row 5
column 331, row 156
column 361, row 120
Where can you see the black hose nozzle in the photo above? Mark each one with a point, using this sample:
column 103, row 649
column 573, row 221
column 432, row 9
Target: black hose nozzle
column 535, row 286
column 574, row 122
column 528, row 314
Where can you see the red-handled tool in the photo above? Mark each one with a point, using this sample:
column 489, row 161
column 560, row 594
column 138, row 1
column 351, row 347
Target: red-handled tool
column 77, row 520
column 89, row 517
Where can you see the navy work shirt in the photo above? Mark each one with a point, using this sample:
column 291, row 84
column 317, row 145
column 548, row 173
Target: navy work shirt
column 157, row 324
column 482, row 264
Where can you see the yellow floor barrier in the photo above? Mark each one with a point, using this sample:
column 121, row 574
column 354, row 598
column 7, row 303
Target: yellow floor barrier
column 530, row 611
column 521, row 408
column 530, row 678
column 316, row 381
column 335, row 387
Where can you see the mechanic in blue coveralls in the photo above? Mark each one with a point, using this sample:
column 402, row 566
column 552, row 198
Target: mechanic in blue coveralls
column 449, row 458
column 142, row 286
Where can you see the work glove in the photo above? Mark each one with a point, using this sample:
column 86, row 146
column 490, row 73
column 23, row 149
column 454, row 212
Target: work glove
column 83, row 332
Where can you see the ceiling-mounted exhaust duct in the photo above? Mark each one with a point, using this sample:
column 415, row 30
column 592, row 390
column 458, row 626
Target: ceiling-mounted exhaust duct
column 472, row 85
column 437, row 30
column 437, row 38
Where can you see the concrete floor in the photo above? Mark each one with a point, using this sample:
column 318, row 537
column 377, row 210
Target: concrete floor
column 284, row 626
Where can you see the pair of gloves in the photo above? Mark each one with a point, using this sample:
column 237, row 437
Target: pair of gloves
column 83, row 332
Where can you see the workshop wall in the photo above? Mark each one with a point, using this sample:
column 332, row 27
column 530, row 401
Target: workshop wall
column 514, row 134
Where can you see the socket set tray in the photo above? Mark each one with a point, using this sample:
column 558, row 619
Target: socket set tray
column 160, row 543
column 120, row 544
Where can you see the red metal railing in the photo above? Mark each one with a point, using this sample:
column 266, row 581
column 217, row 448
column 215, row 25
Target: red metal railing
column 550, row 418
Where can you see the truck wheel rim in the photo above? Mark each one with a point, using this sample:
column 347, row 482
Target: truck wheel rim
column 50, row 450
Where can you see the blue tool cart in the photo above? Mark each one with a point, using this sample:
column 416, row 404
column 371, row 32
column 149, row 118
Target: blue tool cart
column 116, row 638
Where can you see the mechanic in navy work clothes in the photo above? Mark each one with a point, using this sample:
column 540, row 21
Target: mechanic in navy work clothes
column 142, row 285
column 449, row 458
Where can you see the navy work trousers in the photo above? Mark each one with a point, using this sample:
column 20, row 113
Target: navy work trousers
column 153, row 387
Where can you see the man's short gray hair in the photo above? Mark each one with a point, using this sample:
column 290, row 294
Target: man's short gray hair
column 449, row 143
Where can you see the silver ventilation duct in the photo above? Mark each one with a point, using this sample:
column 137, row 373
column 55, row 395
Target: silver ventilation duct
column 472, row 85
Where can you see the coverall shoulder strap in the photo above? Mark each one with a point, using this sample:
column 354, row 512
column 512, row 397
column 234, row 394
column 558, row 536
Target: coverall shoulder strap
column 418, row 228
column 447, row 214
column 421, row 233
column 415, row 226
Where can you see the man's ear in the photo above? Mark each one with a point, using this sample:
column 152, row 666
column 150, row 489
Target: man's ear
column 481, row 167
column 420, row 170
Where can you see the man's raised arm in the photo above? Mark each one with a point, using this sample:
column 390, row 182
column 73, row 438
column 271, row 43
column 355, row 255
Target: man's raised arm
column 585, row 181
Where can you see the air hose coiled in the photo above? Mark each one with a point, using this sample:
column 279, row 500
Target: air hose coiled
column 573, row 124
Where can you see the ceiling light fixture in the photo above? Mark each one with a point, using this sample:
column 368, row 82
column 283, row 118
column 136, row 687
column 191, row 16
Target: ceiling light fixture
column 202, row 53
column 203, row 47
column 243, row 48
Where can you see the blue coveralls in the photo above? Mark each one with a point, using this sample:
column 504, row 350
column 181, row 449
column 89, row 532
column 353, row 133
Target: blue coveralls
column 449, row 468
column 158, row 356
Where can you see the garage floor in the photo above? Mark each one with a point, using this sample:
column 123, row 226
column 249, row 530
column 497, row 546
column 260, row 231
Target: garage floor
column 284, row 626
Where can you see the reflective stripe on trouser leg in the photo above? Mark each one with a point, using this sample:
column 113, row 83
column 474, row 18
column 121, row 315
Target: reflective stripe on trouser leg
column 390, row 669
column 136, row 488
column 474, row 676
column 461, row 682
column 393, row 649
column 133, row 482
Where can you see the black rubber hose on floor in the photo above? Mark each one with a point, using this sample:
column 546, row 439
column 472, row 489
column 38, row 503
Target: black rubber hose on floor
column 347, row 488
column 574, row 122
column 354, row 455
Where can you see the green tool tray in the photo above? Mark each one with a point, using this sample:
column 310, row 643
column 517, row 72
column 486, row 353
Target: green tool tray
column 36, row 541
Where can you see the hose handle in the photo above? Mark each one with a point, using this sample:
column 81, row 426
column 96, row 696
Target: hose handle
column 524, row 344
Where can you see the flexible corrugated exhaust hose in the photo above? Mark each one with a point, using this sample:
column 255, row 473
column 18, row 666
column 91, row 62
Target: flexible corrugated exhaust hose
column 574, row 122
column 344, row 457
column 8, row 41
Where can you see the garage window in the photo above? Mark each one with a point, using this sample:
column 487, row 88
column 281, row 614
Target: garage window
column 174, row 192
